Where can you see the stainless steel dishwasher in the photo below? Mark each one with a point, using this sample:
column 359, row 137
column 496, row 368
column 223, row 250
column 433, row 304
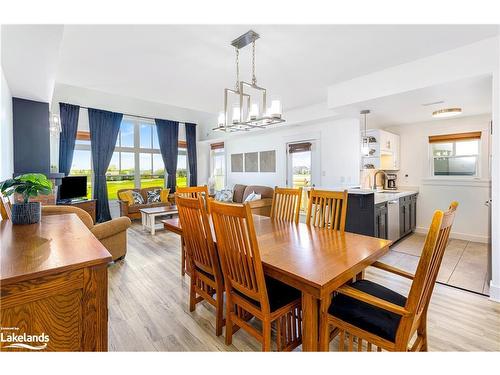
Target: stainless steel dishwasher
column 393, row 219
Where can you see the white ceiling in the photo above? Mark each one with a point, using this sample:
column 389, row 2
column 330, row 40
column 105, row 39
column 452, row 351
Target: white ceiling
column 30, row 56
column 189, row 66
column 473, row 95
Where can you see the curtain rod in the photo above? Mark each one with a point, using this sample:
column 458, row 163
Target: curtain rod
column 129, row 115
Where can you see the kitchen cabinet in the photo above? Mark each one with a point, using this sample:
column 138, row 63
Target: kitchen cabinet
column 407, row 214
column 384, row 152
column 381, row 223
column 393, row 218
column 361, row 214
column 366, row 217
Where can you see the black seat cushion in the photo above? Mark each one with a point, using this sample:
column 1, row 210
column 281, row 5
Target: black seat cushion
column 380, row 322
column 209, row 275
column 279, row 294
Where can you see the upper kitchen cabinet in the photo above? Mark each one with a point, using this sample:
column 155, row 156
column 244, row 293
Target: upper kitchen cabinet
column 384, row 151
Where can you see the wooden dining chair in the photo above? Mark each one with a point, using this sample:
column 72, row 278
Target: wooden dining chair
column 5, row 208
column 193, row 191
column 383, row 318
column 248, row 292
column 206, row 276
column 327, row 209
column 286, row 204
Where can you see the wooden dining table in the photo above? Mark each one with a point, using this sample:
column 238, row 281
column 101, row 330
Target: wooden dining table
column 317, row 261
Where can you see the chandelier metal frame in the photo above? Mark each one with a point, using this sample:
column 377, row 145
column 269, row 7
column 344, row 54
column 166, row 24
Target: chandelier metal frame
column 245, row 120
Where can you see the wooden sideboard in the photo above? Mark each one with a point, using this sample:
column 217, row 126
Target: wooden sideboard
column 53, row 282
column 87, row 205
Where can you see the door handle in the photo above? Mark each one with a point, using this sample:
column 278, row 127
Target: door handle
column 488, row 203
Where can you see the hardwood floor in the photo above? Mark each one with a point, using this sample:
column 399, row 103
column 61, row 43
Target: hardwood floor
column 148, row 307
column 464, row 265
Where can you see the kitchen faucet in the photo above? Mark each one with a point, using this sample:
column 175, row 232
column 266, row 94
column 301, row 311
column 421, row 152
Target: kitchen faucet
column 375, row 178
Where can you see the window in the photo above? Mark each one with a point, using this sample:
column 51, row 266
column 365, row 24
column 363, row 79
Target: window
column 455, row 154
column 182, row 167
column 300, row 161
column 218, row 162
column 136, row 149
column 82, row 160
column 136, row 160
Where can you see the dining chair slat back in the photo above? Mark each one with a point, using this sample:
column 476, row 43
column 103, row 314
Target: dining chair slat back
column 430, row 260
column 246, row 286
column 405, row 316
column 193, row 191
column 286, row 204
column 206, row 275
column 327, row 209
column 238, row 249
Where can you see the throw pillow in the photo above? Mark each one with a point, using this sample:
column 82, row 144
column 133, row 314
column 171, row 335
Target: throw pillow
column 164, row 195
column 253, row 197
column 154, row 196
column 138, row 199
column 224, row 196
column 126, row 196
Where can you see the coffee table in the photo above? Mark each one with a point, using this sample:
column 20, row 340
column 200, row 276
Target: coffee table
column 149, row 216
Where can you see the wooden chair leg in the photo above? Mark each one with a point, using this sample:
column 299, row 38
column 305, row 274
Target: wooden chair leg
column 229, row 321
column 192, row 294
column 219, row 311
column 183, row 257
column 266, row 336
column 422, row 331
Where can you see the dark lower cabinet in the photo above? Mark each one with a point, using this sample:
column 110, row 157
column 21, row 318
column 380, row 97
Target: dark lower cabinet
column 361, row 214
column 381, row 223
column 366, row 217
column 407, row 214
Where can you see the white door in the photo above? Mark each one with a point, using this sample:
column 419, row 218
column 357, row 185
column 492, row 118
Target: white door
column 303, row 166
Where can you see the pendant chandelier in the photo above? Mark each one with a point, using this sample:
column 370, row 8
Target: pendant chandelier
column 250, row 110
column 365, row 140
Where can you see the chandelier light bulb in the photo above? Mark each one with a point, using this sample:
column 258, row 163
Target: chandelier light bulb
column 276, row 110
column 236, row 115
column 221, row 119
column 254, row 111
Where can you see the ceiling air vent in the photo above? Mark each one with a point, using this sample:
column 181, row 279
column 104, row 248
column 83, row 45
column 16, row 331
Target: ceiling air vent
column 433, row 103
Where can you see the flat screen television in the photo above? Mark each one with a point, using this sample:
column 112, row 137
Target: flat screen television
column 73, row 187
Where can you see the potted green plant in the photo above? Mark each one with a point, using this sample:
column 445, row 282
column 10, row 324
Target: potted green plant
column 27, row 185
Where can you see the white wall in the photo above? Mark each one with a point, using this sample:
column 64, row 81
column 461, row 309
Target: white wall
column 6, row 132
column 338, row 144
column 495, row 172
column 472, row 221
column 472, row 60
column 100, row 100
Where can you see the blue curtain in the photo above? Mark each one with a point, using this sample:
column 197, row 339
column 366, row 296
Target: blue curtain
column 168, row 138
column 104, row 128
column 191, row 151
column 69, row 126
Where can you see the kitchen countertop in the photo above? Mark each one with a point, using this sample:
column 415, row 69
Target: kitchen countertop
column 381, row 196
column 385, row 196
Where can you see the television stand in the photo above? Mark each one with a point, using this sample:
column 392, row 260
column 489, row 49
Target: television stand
column 87, row 205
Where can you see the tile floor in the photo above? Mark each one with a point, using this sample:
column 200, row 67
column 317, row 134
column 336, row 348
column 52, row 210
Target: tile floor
column 465, row 263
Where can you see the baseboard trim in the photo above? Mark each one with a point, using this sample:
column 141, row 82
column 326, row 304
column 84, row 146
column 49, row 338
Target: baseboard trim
column 494, row 292
column 459, row 236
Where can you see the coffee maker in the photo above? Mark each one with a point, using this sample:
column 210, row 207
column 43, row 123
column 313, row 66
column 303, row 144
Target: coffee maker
column 390, row 181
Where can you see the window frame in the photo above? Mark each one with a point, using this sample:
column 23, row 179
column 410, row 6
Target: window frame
column 136, row 150
column 454, row 142
column 213, row 153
